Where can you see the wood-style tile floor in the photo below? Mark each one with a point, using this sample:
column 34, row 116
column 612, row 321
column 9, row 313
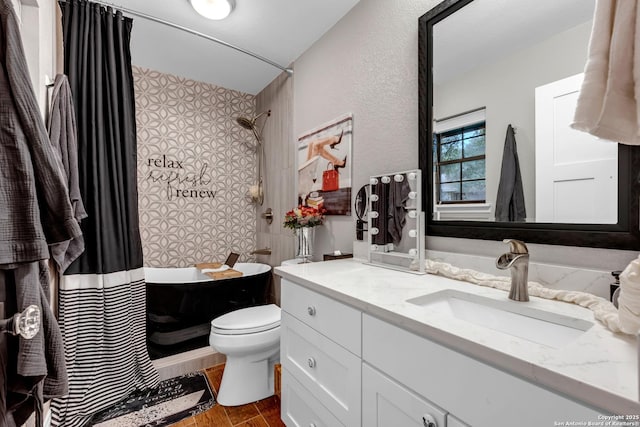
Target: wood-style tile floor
column 263, row 413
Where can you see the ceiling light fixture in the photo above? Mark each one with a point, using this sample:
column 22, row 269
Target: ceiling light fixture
column 213, row 9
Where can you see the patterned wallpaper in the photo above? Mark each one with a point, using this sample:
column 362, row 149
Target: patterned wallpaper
column 195, row 166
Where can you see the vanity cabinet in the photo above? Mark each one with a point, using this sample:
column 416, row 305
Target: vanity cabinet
column 386, row 403
column 320, row 348
column 454, row 422
column 474, row 392
column 300, row 408
column 343, row 367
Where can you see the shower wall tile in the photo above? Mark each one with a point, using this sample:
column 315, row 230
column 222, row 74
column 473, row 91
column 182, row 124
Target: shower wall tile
column 195, row 166
column 279, row 171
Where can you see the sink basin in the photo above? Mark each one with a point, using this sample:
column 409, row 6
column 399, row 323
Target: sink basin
column 506, row 316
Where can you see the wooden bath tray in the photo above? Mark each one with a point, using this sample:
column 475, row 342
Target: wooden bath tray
column 212, row 265
column 226, row 274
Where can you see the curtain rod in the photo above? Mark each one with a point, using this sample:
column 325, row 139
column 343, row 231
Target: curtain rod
column 289, row 71
column 460, row 114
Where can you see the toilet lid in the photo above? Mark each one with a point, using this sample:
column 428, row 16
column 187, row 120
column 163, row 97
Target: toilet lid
column 247, row 320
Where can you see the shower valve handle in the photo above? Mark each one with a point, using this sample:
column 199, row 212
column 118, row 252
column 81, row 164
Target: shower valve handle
column 25, row 324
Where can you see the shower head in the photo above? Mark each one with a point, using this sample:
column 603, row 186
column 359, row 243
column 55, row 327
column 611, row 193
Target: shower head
column 245, row 122
column 250, row 124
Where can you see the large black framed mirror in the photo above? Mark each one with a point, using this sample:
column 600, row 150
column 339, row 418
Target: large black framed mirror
column 618, row 228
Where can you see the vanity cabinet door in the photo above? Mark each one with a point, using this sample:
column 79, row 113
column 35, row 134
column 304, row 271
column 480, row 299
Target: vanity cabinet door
column 386, row 403
column 330, row 372
column 300, row 409
column 474, row 391
column 454, row 422
column 335, row 320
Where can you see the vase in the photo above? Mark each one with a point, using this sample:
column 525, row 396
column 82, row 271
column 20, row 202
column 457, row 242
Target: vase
column 305, row 243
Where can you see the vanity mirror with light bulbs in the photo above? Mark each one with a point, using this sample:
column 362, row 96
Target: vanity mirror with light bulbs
column 485, row 65
column 395, row 221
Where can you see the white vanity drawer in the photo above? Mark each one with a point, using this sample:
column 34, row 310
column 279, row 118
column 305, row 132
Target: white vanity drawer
column 300, row 409
column 331, row 373
column 386, row 403
column 335, row 320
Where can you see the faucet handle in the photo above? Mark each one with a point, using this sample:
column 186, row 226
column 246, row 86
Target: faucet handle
column 517, row 246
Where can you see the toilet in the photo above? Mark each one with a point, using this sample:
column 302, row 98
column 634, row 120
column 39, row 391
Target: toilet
column 250, row 338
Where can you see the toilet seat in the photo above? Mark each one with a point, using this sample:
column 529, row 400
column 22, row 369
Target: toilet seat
column 247, row 320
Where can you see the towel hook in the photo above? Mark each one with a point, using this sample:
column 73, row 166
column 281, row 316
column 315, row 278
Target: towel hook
column 25, row 324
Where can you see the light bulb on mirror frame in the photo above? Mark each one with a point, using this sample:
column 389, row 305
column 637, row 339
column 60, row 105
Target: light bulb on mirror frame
column 413, row 252
column 373, row 214
column 374, row 197
column 412, row 176
column 385, row 180
column 374, row 248
column 413, row 195
column 374, row 231
column 412, row 214
column 373, row 181
column 398, row 178
column 413, row 233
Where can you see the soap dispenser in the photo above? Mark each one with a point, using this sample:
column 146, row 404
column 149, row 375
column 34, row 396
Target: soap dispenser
column 614, row 288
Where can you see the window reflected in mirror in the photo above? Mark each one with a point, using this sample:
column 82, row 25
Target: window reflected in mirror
column 459, row 164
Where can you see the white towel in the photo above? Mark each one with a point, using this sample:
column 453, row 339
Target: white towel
column 629, row 299
column 609, row 101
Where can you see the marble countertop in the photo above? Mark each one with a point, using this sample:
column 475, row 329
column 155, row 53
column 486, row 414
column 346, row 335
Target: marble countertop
column 599, row 368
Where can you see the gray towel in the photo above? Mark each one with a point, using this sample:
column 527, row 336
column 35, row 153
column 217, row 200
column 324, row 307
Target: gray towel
column 33, row 194
column 510, row 198
column 63, row 134
column 397, row 215
column 35, row 210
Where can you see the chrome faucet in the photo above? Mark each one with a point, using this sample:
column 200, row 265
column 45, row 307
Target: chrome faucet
column 517, row 259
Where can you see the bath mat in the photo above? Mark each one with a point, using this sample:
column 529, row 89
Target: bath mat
column 171, row 401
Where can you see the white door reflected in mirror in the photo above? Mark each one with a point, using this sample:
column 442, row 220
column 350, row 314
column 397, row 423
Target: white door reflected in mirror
column 576, row 173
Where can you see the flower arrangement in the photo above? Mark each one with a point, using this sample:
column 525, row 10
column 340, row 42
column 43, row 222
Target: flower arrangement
column 304, row 216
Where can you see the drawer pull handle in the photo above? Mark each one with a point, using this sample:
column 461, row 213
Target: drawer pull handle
column 311, row 362
column 311, row 310
column 429, row 421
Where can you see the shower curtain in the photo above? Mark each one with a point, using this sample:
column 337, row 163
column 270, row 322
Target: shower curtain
column 102, row 294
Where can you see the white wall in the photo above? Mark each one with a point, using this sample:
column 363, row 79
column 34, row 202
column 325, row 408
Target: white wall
column 368, row 65
column 38, row 30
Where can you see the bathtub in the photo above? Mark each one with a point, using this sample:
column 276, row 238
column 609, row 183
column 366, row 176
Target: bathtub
column 181, row 302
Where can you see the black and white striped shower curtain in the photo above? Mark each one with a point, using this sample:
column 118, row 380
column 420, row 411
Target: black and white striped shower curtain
column 102, row 294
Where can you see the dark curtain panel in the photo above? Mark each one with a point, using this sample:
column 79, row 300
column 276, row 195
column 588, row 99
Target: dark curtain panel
column 97, row 61
column 101, row 297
